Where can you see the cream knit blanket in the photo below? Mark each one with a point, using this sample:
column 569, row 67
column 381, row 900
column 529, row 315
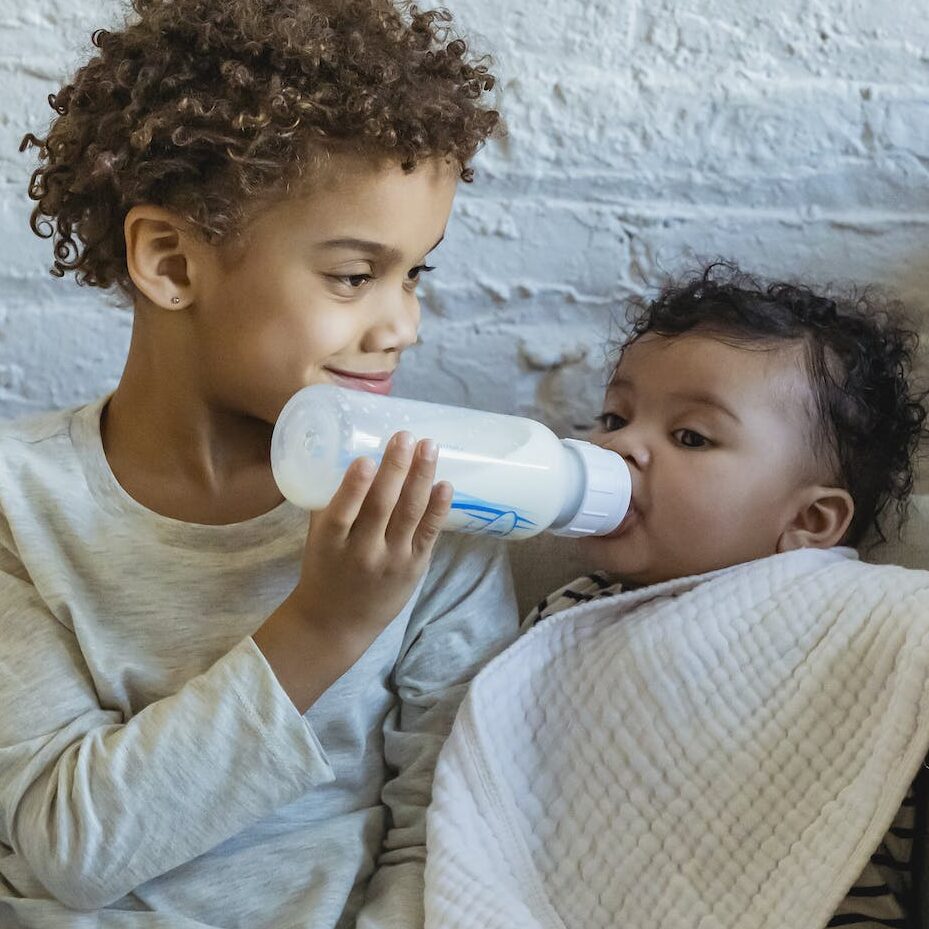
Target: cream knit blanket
column 723, row 751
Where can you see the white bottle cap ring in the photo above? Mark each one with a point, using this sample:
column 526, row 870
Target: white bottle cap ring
column 607, row 491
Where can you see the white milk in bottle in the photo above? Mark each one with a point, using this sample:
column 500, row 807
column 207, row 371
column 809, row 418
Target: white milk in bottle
column 512, row 477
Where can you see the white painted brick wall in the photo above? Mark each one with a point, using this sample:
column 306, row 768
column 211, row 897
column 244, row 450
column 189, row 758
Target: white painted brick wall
column 642, row 135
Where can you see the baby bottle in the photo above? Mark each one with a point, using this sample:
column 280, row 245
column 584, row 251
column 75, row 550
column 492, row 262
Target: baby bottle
column 512, row 477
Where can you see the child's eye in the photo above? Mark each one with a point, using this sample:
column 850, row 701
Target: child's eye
column 354, row 280
column 610, row 422
column 414, row 273
column 351, row 281
column 690, row 439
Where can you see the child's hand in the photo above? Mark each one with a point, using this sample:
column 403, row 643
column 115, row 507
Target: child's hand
column 367, row 550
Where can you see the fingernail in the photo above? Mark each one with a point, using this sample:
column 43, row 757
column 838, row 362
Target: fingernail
column 428, row 450
column 404, row 441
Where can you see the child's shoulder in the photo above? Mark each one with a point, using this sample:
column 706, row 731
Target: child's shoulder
column 33, row 438
column 38, row 443
column 35, row 463
column 34, row 428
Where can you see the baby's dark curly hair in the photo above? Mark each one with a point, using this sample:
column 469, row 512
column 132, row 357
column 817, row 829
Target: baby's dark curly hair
column 859, row 355
column 207, row 106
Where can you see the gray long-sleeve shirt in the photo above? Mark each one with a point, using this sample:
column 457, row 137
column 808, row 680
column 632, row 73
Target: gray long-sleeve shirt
column 153, row 772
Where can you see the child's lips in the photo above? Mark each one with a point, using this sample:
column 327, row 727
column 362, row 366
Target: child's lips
column 376, row 382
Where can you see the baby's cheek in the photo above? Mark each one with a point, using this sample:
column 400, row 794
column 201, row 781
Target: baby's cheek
column 617, row 556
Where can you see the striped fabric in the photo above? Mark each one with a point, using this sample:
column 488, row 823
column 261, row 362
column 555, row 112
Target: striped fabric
column 590, row 587
column 880, row 897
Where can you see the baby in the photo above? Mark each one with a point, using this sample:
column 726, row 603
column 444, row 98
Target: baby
column 733, row 751
column 754, row 421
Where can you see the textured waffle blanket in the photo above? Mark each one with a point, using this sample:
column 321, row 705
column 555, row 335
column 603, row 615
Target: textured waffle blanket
column 721, row 751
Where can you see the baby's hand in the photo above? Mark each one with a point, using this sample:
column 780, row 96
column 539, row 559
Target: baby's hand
column 367, row 550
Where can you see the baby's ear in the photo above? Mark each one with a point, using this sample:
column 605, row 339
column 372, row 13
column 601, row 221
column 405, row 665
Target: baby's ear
column 821, row 520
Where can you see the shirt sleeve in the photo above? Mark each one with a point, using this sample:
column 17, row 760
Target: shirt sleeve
column 97, row 804
column 465, row 615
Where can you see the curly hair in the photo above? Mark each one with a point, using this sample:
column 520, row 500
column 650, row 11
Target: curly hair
column 868, row 418
column 208, row 106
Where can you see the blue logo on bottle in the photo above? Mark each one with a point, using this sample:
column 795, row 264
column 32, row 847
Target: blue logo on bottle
column 486, row 518
column 489, row 518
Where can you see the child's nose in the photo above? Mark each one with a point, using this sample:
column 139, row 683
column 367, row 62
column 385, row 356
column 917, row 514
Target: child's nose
column 396, row 326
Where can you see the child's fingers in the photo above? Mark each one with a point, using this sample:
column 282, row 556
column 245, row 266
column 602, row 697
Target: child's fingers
column 347, row 501
column 440, row 501
column 385, row 489
column 414, row 497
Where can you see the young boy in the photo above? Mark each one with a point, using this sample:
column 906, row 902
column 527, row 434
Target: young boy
column 209, row 717
column 718, row 727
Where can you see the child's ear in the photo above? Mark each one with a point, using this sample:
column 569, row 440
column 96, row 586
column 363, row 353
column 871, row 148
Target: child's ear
column 159, row 256
column 821, row 520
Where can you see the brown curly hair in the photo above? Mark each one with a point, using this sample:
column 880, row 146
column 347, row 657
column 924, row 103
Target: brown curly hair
column 207, row 106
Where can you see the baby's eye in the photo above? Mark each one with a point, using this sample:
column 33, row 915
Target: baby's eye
column 690, row 439
column 610, row 422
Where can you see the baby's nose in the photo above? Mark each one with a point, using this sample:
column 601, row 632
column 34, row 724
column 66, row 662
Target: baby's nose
column 632, row 444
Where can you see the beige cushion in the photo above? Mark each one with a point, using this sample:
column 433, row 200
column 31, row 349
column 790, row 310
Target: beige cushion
column 912, row 549
column 544, row 563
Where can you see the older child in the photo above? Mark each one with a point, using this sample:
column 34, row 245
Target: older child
column 209, row 717
column 720, row 725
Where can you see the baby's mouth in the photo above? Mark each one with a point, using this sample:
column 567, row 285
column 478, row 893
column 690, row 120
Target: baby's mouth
column 630, row 519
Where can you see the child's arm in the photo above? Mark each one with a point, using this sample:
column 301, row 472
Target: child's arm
column 98, row 804
column 364, row 556
column 465, row 614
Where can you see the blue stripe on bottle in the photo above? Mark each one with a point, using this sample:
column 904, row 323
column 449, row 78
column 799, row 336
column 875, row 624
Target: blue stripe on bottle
column 489, row 518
